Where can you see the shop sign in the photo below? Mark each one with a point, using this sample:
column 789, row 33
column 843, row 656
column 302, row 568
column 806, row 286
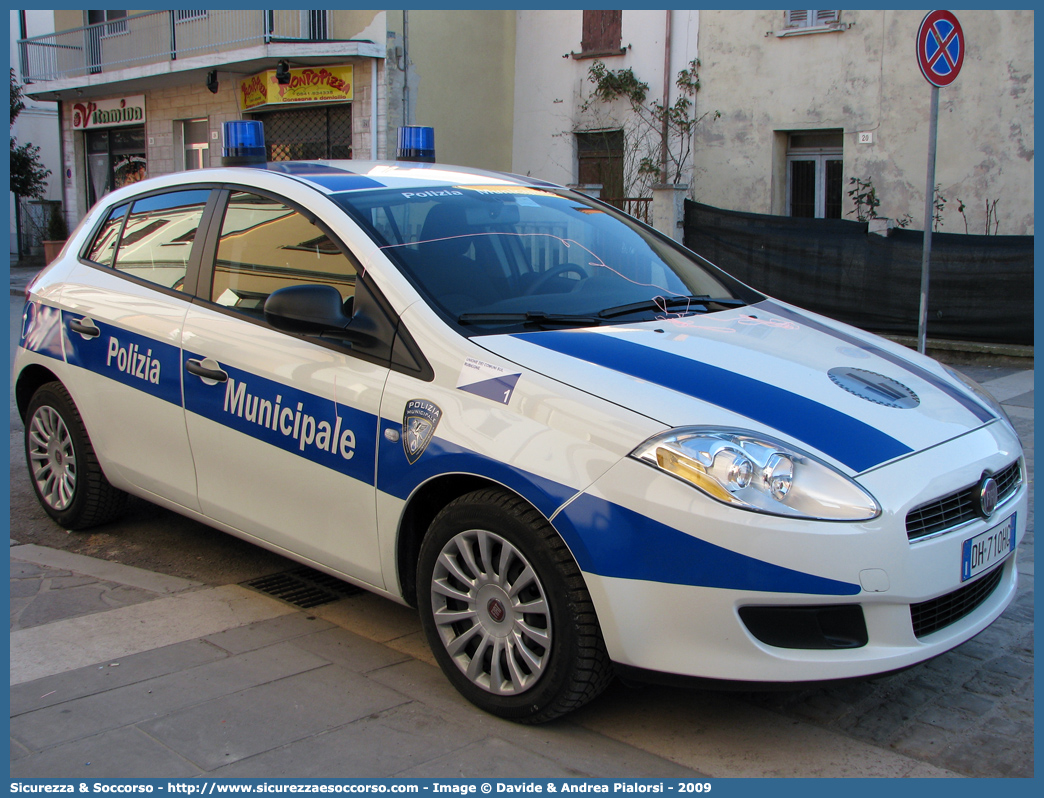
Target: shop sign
column 90, row 114
column 307, row 85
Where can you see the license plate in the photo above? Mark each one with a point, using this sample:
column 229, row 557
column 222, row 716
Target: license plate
column 985, row 550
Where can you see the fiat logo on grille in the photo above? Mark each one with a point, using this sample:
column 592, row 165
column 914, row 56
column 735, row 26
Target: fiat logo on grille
column 495, row 610
column 988, row 496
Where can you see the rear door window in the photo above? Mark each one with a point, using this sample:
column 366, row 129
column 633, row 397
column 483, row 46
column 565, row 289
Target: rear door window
column 158, row 237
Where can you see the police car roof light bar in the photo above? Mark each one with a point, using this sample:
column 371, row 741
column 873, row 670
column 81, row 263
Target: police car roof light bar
column 416, row 143
column 244, row 143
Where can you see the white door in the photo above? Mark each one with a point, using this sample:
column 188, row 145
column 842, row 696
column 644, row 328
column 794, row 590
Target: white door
column 283, row 428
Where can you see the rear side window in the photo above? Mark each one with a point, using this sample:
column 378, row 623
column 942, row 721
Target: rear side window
column 104, row 247
column 266, row 245
column 157, row 239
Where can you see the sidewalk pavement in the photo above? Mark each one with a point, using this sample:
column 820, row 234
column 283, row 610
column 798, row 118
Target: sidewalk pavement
column 119, row 672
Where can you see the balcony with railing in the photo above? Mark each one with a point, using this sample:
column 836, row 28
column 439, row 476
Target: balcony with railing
column 156, row 37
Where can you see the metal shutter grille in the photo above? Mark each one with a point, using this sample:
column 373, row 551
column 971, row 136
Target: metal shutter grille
column 308, row 133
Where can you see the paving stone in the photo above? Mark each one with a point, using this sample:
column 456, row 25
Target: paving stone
column 980, row 755
column 268, row 716
column 74, row 580
column 1022, row 400
column 924, row 742
column 995, row 684
column 62, row 687
column 1010, row 666
column 121, row 753
column 351, row 651
column 945, row 718
column 73, row 602
column 265, row 633
column 25, row 588
column 18, row 750
column 490, row 759
column 21, row 570
column 93, row 714
column 969, row 702
column 566, row 741
column 880, row 722
column 381, row 745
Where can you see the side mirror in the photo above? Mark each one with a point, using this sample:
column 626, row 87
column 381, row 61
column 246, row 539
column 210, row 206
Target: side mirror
column 312, row 310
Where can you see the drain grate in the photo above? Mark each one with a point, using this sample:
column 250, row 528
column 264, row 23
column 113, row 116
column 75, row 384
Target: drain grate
column 303, row 587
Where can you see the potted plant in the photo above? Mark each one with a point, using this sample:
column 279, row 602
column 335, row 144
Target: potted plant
column 55, row 234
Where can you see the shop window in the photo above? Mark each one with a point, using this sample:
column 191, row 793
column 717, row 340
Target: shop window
column 157, row 239
column 602, row 34
column 815, row 166
column 266, row 245
column 115, row 158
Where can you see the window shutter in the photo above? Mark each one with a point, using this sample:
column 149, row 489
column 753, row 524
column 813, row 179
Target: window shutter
column 602, row 31
column 812, row 19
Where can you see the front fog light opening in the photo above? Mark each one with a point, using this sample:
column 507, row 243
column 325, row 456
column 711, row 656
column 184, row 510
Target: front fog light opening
column 816, row 628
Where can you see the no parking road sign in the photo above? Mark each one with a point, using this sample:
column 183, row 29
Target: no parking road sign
column 940, row 48
column 940, row 54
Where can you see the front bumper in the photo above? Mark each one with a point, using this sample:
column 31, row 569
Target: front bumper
column 690, row 622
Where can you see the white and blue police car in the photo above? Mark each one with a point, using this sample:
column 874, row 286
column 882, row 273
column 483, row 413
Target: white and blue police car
column 577, row 447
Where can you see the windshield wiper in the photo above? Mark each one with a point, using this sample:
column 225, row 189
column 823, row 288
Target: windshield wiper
column 529, row 317
column 663, row 304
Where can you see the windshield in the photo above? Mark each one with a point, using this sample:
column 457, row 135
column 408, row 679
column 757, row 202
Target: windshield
column 499, row 258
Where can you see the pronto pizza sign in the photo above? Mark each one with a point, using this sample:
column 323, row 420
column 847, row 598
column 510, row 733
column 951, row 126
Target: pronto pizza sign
column 118, row 112
column 307, row 85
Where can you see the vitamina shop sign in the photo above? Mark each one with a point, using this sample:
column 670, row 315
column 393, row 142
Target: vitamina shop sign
column 118, row 112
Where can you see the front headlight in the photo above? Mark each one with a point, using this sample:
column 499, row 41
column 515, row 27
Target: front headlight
column 751, row 471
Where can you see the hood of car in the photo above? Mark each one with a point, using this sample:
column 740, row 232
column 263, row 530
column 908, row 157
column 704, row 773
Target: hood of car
column 852, row 397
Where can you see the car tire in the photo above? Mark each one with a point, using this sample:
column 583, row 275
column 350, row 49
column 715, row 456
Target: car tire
column 506, row 611
column 62, row 464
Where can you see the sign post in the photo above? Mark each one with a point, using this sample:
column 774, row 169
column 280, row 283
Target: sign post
column 940, row 55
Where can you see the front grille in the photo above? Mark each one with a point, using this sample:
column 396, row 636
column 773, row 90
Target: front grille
column 931, row 616
column 960, row 507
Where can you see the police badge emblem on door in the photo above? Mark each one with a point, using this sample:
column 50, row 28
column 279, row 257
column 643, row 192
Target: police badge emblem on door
column 419, row 421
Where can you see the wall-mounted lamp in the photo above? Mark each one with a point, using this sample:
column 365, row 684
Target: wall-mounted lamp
column 282, row 73
column 212, row 81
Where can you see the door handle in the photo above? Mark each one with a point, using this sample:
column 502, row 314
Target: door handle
column 84, row 327
column 206, row 372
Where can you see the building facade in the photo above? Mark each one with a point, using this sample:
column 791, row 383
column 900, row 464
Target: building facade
column 792, row 106
column 811, row 100
column 563, row 131
column 143, row 93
